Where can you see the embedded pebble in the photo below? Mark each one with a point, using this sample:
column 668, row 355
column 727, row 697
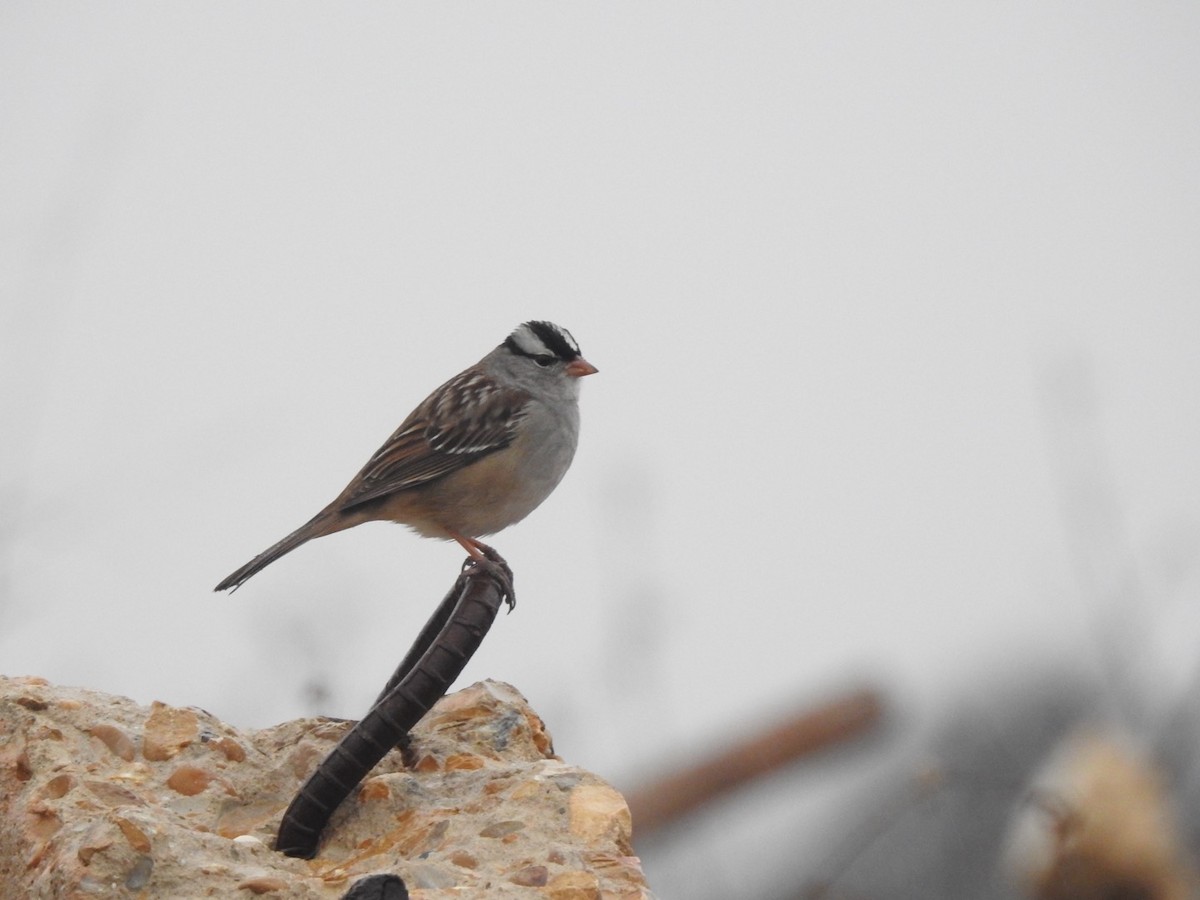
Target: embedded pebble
column 58, row 786
column 500, row 829
column 374, row 789
column 98, row 838
column 136, row 838
column 263, row 884
column 429, row 876
column 531, row 876
column 167, row 731
column 189, row 780
column 116, row 740
column 231, row 749
column 573, row 886
column 427, row 764
column 113, row 794
column 139, row 875
column 599, row 811
column 464, row 762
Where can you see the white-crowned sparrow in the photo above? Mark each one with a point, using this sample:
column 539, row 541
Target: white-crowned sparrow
column 479, row 454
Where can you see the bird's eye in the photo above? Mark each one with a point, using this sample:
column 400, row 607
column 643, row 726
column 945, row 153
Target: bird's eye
column 545, row 360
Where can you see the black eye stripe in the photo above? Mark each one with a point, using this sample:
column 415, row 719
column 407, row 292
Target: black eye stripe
column 543, row 339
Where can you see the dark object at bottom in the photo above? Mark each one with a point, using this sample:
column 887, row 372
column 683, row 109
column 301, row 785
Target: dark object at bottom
column 448, row 640
column 377, row 887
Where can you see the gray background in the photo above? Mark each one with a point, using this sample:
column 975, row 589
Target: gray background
column 895, row 309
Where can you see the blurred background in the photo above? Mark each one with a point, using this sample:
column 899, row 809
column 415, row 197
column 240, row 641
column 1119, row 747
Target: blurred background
column 896, row 312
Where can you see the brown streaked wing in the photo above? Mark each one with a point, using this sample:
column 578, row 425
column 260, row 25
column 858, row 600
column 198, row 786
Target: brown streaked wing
column 464, row 420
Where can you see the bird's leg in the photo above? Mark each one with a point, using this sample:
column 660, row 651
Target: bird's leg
column 485, row 557
column 476, row 549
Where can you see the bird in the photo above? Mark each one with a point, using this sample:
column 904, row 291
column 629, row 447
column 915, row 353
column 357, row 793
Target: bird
column 477, row 455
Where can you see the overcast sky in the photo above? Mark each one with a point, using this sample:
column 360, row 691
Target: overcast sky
column 896, row 310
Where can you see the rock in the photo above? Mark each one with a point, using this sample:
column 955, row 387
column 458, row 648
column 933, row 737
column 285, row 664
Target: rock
column 102, row 797
column 1101, row 824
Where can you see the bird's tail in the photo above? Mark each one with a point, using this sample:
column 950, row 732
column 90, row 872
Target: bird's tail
column 317, row 526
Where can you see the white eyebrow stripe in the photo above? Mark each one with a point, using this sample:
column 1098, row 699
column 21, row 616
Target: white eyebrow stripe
column 529, row 342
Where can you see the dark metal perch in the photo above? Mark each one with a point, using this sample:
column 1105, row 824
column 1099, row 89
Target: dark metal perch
column 448, row 640
column 378, row 887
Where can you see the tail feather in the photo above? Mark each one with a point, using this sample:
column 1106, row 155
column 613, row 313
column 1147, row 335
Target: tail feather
column 315, row 527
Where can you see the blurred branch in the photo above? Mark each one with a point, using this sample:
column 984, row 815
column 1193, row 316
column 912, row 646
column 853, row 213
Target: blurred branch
column 674, row 796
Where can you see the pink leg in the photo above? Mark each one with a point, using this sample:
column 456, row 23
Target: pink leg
column 485, row 557
column 476, row 549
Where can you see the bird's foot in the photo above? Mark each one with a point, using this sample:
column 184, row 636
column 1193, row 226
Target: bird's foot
column 491, row 563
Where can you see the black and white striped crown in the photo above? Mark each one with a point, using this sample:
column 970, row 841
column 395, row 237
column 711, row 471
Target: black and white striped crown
column 543, row 339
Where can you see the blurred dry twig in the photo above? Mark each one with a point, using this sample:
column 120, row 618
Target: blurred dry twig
column 672, row 797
